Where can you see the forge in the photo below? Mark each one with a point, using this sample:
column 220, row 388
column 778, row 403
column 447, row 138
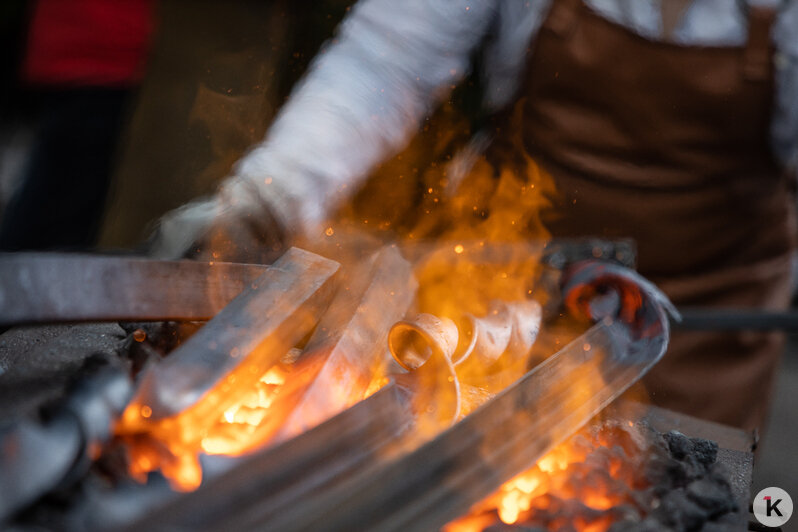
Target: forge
column 317, row 395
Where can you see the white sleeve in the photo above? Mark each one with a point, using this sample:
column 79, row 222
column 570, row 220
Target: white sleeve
column 363, row 97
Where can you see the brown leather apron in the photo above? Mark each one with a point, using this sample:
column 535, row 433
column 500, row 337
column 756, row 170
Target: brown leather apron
column 668, row 144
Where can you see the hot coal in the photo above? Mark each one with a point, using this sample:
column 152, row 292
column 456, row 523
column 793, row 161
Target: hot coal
column 658, row 480
column 148, row 342
column 624, row 477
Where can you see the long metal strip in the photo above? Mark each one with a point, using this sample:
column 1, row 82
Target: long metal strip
column 331, row 478
column 58, row 287
column 241, row 342
column 346, row 348
column 736, row 319
column 258, row 486
column 443, row 478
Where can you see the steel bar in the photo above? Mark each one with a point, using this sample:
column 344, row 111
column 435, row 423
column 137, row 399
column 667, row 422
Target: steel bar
column 241, row 342
column 57, row 287
column 255, row 487
column 736, row 319
column 348, row 346
column 443, row 478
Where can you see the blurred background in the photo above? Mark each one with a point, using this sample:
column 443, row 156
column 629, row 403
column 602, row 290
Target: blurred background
column 211, row 77
column 777, row 457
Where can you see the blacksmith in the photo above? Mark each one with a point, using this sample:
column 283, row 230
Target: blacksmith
column 673, row 122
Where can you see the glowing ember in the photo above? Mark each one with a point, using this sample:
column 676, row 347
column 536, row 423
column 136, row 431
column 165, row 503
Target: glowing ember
column 239, row 430
column 174, row 450
column 376, row 385
column 232, row 434
column 590, row 469
column 618, row 475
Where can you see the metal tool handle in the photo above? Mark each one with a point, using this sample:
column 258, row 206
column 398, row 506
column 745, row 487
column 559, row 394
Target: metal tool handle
column 736, row 319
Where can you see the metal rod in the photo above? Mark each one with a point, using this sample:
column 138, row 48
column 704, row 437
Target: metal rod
column 61, row 287
column 251, row 333
column 444, row 477
column 736, row 319
column 347, row 348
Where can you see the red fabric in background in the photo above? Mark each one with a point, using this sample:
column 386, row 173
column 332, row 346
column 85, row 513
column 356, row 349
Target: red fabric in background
column 97, row 43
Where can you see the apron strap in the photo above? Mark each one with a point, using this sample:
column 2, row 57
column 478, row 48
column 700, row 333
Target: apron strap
column 564, row 16
column 758, row 54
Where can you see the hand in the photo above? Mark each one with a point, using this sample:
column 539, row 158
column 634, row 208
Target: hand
column 235, row 225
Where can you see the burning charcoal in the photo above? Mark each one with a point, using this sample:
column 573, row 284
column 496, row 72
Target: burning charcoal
column 581, row 445
column 626, row 525
column 694, row 454
column 702, row 451
column 712, row 495
column 624, row 512
column 722, row 524
column 577, row 507
column 629, row 438
column 679, row 444
column 677, row 511
column 650, row 438
column 663, row 472
column 502, row 527
column 706, row 451
column 646, row 525
column 575, row 515
column 643, row 497
column 547, row 505
column 597, row 460
column 623, row 477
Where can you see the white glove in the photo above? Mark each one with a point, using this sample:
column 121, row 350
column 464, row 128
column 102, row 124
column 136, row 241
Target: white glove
column 235, row 225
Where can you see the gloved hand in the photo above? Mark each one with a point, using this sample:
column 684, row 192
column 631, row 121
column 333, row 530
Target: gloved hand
column 234, row 225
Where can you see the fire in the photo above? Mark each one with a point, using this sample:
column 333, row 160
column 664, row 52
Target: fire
column 466, row 216
column 377, row 383
column 175, row 451
column 593, row 471
column 232, row 434
column 243, row 427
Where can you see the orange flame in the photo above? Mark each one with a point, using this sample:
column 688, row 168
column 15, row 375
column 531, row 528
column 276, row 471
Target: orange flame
column 232, row 434
column 562, row 474
column 173, row 449
column 168, row 447
column 487, row 205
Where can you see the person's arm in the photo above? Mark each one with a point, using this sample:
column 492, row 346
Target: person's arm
column 363, row 97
